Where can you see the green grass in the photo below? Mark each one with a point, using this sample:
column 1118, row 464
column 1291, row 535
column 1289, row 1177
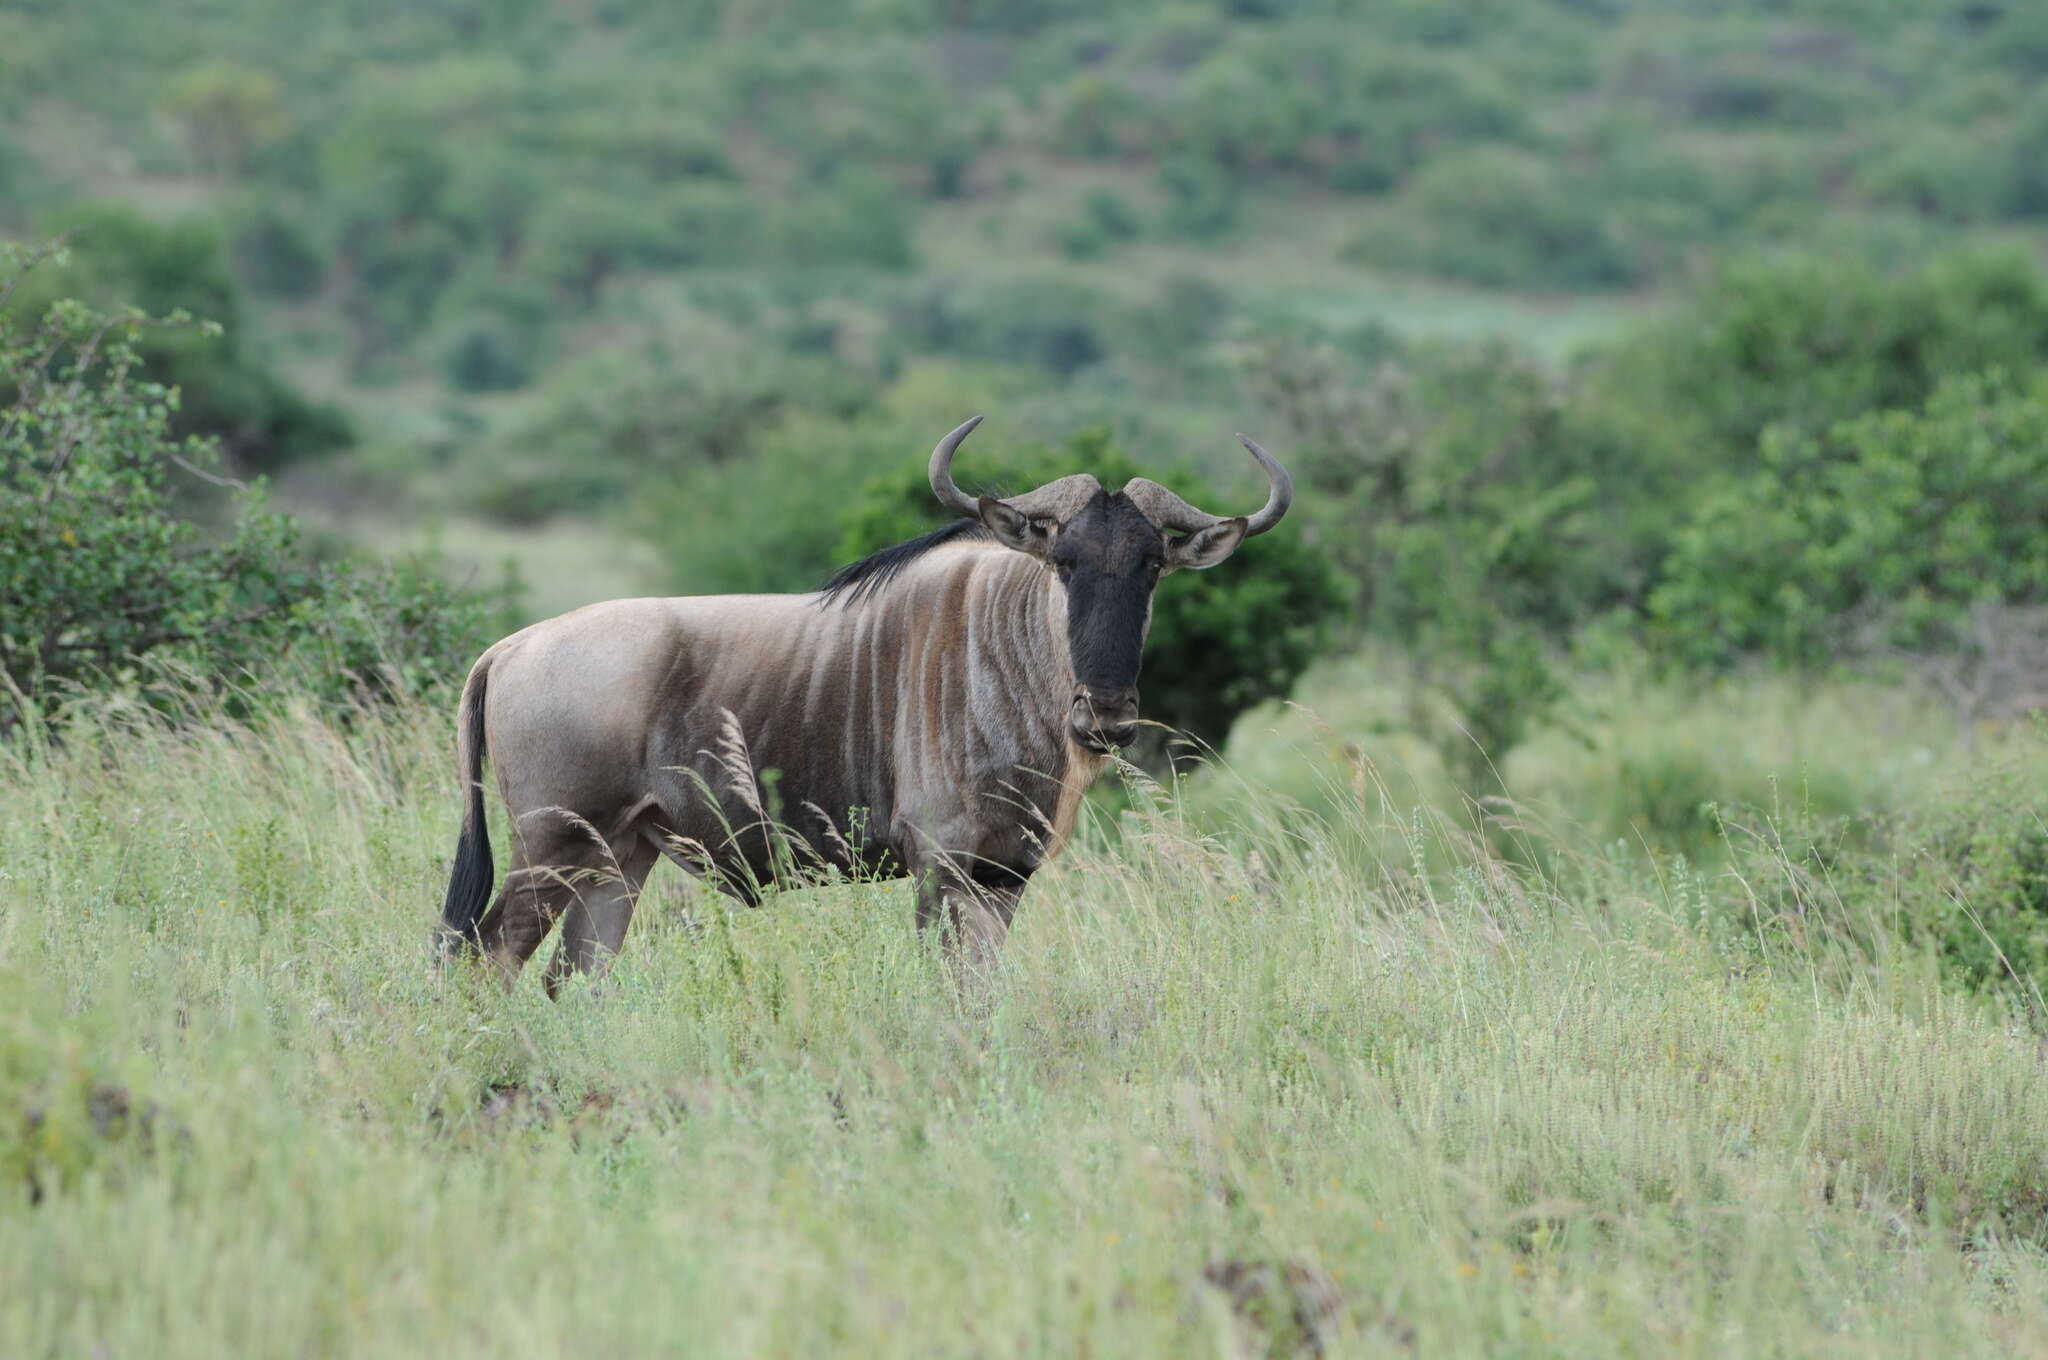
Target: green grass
column 1234, row 1082
column 1668, row 766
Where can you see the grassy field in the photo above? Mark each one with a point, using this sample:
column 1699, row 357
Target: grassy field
column 1247, row 1084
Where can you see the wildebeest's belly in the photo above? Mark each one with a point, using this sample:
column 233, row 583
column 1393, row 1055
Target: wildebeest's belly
column 734, row 808
column 791, row 738
column 760, row 800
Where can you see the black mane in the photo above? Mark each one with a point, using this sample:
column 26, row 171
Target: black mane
column 859, row 579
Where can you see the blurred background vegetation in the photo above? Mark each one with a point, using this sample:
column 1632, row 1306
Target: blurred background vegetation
column 1621, row 348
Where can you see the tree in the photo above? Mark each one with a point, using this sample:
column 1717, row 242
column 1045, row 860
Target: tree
column 1886, row 529
column 229, row 113
column 118, row 258
column 102, row 585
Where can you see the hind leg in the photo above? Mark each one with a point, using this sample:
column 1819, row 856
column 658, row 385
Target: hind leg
column 552, row 867
column 596, row 923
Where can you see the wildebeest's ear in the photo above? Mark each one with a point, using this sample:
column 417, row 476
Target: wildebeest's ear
column 1205, row 547
column 1012, row 527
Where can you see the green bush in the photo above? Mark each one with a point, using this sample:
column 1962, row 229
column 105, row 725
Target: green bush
column 275, row 255
column 583, row 237
column 2018, row 39
column 1048, row 322
column 1202, row 198
column 1106, row 221
column 858, row 219
column 1795, row 337
column 1965, row 872
column 1221, row 642
column 1686, row 764
column 1446, row 491
column 644, row 422
column 1883, row 531
column 1499, row 218
column 1314, row 96
column 1663, row 418
column 102, row 586
column 1093, row 115
column 2027, row 189
column 488, row 356
column 119, row 258
column 1952, row 174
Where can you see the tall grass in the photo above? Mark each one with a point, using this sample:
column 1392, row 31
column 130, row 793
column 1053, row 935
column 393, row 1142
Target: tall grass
column 1665, row 765
column 1243, row 1085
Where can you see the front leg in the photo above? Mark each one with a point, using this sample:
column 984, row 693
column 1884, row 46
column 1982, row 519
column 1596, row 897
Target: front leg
column 973, row 904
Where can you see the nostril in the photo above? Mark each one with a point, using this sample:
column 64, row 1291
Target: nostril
column 1104, row 718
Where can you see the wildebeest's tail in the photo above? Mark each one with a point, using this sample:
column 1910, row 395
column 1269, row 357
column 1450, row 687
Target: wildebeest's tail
column 469, row 884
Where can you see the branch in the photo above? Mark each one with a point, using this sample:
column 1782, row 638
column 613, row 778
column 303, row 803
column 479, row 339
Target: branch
column 203, row 475
column 29, row 263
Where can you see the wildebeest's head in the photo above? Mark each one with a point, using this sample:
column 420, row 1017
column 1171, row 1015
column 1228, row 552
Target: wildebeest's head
column 1108, row 550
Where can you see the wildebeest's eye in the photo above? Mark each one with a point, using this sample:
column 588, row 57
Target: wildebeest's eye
column 1063, row 570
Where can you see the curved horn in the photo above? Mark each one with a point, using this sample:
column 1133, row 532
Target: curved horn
column 1164, row 508
column 1277, row 499
column 1169, row 511
column 951, row 496
column 1060, row 499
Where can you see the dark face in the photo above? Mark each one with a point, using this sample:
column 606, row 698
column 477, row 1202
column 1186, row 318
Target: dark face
column 1107, row 558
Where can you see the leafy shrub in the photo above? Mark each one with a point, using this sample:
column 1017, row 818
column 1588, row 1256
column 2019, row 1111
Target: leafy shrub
column 583, row 237
column 228, row 113
column 613, row 422
column 1096, row 116
column 1221, row 642
column 660, row 143
column 1796, row 338
column 1444, row 488
column 488, row 356
column 1050, row 323
column 121, row 258
column 275, row 255
column 1945, row 173
column 1314, row 97
column 1966, row 871
column 1202, row 198
column 1887, row 529
column 1106, row 221
column 712, row 223
column 1187, row 308
column 2019, row 40
column 2027, row 192
column 102, row 586
column 858, row 219
column 1786, row 339
column 1499, row 218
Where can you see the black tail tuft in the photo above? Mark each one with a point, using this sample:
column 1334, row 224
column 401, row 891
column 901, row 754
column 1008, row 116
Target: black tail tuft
column 469, row 884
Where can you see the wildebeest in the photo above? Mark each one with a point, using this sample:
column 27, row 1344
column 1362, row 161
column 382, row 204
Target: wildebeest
column 934, row 710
